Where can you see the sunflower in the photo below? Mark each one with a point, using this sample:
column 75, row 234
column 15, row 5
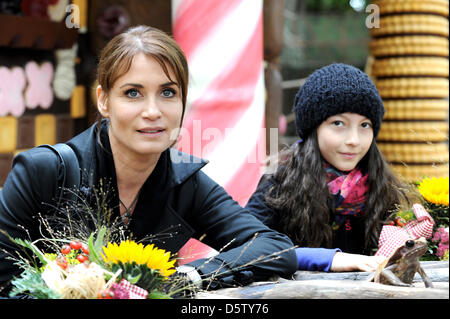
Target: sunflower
column 435, row 190
column 130, row 252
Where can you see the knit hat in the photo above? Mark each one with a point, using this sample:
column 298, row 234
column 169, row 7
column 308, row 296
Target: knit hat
column 334, row 89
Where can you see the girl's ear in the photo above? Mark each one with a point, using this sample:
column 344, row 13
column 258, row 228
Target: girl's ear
column 101, row 102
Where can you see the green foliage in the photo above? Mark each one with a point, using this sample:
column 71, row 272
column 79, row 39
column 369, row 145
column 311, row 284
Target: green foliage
column 407, row 215
column 328, row 5
column 140, row 275
column 95, row 248
column 430, row 255
column 30, row 282
column 157, row 295
column 439, row 213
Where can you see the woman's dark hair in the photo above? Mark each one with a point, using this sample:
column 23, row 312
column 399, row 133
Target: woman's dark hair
column 300, row 194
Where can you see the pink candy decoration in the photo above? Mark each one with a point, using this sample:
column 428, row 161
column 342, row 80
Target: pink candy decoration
column 12, row 83
column 39, row 90
column 282, row 124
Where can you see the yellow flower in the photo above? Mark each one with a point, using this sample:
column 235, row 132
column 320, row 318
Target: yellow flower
column 130, row 251
column 435, row 190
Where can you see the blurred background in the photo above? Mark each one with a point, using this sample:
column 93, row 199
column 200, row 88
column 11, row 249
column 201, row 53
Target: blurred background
column 247, row 58
column 317, row 33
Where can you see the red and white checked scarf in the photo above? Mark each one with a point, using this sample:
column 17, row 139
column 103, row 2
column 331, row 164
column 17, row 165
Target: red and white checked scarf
column 392, row 237
column 134, row 291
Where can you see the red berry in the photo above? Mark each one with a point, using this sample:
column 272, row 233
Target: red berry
column 105, row 294
column 401, row 222
column 82, row 258
column 85, row 249
column 61, row 262
column 75, row 244
column 66, row 249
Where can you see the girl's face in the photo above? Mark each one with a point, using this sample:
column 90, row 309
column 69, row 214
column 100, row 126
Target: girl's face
column 344, row 139
column 144, row 108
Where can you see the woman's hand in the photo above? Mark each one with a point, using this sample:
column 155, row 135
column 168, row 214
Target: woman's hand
column 354, row 262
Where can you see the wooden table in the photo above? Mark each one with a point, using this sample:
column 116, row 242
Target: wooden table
column 349, row 285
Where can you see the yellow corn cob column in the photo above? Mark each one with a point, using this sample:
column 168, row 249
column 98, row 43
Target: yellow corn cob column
column 410, row 69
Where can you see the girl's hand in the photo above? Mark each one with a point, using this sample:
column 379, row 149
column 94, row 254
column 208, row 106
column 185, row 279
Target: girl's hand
column 354, row 262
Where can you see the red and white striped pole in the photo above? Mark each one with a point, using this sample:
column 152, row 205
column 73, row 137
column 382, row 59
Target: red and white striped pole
column 223, row 42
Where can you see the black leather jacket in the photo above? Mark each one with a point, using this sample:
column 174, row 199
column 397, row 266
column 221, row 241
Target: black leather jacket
column 177, row 194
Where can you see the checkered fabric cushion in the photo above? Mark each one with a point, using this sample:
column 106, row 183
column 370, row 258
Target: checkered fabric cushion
column 134, row 291
column 392, row 237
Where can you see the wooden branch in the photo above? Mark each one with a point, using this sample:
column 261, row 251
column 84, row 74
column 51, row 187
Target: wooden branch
column 351, row 285
column 327, row 289
column 436, row 271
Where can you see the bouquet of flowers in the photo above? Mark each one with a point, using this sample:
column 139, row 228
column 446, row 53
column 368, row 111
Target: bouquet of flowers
column 93, row 269
column 428, row 219
column 435, row 192
column 84, row 253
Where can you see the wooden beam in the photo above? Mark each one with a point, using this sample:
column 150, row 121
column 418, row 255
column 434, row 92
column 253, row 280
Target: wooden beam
column 35, row 33
column 327, row 289
column 351, row 285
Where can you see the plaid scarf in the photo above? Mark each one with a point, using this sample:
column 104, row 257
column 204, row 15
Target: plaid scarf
column 348, row 189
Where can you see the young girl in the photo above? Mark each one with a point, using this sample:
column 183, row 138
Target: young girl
column 143, row 80
column 332, row 189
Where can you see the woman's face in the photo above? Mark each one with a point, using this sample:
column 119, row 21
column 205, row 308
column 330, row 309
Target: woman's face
column 144, row 108
column 344, row 139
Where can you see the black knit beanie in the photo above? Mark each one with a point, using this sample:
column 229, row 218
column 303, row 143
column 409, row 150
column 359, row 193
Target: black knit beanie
column 334, row 89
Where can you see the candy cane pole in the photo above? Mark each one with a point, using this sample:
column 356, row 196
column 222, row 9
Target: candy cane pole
column 223, row 42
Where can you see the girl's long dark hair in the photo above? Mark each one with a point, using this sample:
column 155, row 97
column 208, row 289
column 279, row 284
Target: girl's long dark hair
column 301, row 197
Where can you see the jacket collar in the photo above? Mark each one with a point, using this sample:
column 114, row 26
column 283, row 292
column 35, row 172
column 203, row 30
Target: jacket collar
column 183, row 166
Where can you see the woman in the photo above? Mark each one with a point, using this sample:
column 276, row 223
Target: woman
column 333, row 189
column 143, row 80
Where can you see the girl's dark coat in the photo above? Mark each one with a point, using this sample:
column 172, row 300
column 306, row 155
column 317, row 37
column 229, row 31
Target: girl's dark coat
column 177, row 197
